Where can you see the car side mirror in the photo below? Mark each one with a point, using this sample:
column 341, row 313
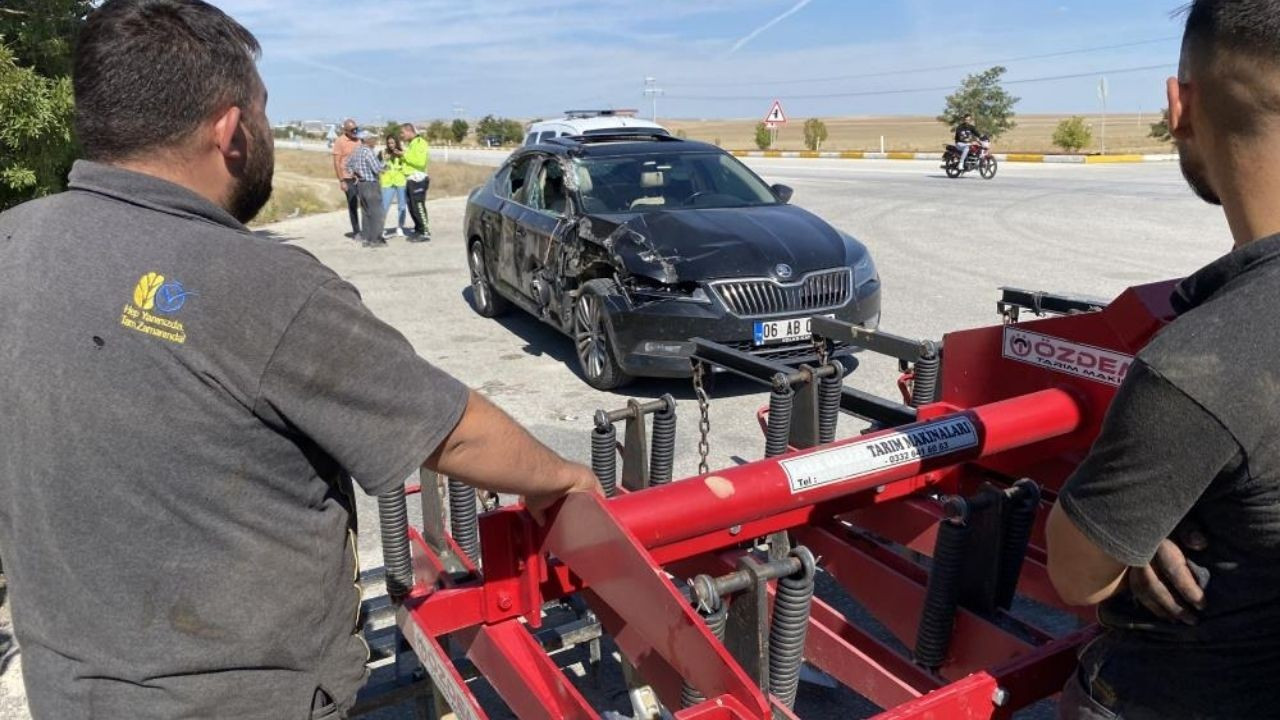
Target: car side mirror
column 783, row 193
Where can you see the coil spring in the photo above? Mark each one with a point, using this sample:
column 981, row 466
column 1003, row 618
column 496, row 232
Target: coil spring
column 829, row 403
column 938, row 616
column 393, row 518
column 604, row 457
column 716, row 620
column 662, row 450
column 1017, row 535
column 778, row 431
column 924, row 388
column 462, row 518
column 788, row 628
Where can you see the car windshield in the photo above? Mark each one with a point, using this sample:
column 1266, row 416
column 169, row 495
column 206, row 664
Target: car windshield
column 675, row 181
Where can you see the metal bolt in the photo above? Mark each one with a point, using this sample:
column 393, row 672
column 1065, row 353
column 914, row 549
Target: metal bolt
column 1000, row 697
column 504, row 601
column 735, row 529
column 880, row 489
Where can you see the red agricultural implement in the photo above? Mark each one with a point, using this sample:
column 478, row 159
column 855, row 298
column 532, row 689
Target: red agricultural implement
column 930, row 522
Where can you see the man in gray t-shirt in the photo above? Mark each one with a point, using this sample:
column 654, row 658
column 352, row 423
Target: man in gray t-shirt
column 185, row 405
column 1191, row 625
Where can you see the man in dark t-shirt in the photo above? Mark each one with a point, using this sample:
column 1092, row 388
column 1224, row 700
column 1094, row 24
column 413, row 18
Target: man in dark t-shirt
column 1172, row 522
column 184, row 405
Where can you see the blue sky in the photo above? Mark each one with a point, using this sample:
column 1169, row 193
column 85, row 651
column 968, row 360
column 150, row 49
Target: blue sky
column 418, row 59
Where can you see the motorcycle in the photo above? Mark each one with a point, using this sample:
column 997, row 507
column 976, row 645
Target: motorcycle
column 980, row 159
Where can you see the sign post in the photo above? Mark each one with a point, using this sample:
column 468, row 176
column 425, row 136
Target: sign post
column 774, row 120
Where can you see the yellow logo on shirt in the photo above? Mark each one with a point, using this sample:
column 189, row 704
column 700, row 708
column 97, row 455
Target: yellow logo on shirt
column 153, row 293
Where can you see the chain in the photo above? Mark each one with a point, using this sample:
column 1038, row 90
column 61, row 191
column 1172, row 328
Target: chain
column 820, row 347
column 704, row 423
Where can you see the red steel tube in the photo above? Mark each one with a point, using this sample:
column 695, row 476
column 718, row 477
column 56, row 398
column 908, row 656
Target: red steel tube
column 682, row 510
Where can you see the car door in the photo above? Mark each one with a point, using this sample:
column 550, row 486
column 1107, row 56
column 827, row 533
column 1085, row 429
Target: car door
column 548, row 209
column 511, row 232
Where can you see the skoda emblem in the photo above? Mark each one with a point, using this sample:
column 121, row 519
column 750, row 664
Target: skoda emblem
column 783, row 271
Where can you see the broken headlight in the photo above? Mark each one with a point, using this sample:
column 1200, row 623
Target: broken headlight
column 646, row 290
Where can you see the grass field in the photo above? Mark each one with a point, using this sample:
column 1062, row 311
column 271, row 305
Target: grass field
column 304, row 184
column 1034, row 133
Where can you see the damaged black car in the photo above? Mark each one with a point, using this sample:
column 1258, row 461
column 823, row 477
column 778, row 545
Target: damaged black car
column 633, row 244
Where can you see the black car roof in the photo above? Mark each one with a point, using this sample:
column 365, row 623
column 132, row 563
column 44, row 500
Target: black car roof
column 621, row 143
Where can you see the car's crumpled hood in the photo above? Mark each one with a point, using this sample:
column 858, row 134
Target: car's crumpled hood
column 690, row 245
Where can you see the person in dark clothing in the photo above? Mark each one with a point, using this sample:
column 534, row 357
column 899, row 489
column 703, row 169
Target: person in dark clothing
column 1172, row 522
column 186, row 408
column 966, row 133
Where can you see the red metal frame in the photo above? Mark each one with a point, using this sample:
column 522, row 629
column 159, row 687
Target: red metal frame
column 1031, row 421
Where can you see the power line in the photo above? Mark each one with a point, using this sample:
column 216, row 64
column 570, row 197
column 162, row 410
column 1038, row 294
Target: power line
column 904, row 91
column 957, row 66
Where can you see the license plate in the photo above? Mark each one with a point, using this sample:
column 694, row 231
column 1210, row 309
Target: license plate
column 776, row 332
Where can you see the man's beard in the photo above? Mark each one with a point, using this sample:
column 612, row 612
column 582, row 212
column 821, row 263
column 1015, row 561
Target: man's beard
column 253, row 189
column 1193, row 171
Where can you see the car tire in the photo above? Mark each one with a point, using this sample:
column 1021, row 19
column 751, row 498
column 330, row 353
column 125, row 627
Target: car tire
column 486, row 301
column 987, row 167
column 597, row 358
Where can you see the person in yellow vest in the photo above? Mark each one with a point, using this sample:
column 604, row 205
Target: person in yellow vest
column 393, row 181
column 416, row 155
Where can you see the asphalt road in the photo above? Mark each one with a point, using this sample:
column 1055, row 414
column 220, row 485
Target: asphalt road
column 943, row 247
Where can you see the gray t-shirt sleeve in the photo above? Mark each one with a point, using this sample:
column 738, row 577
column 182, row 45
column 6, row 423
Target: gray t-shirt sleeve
column 355, row 387
column 1157, row 453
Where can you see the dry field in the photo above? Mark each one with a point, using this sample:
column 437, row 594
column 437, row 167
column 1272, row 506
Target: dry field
column 1034, row 133
column 304, row 184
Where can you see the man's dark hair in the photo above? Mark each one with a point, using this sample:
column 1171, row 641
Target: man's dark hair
column 148, row 72
column 1232, row 49
column 1249, row 27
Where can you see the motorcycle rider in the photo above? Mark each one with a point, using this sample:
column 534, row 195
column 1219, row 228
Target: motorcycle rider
column 966, row 134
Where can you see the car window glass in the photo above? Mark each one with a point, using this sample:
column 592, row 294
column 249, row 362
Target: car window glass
column 516, row 188
column 668, row 181
column 530, row 139
column 546, row 136
column 547, row 191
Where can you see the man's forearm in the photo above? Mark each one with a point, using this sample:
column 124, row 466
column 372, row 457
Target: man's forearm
column 490, row 451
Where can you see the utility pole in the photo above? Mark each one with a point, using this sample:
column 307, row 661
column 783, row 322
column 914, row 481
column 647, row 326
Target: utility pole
column 653, row 91
column 1102, row 95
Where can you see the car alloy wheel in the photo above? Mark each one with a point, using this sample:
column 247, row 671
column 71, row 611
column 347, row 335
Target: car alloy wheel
column 591, row 338
column 483, row 297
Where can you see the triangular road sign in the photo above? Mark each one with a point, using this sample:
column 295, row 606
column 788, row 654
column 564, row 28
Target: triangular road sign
column 775, row 116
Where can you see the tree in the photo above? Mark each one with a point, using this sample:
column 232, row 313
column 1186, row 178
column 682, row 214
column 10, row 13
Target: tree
column 815, row 133
column 40, row 32
column 36, row 147
column 1072, row 134
column 1160, row 130
column 982, row 96
column 512, row 131
column 36, row 104
column 458, row 130
column 764, row 136
column 437, row 131
column 391, row 128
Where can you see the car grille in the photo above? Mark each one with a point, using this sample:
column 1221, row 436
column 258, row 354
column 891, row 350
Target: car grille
column 782, row 353
column 761, row 297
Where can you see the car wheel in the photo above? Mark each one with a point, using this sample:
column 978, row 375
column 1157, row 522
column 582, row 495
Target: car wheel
column 484, row 299
column 987, row 167
column 597, row 358
column 953, row 169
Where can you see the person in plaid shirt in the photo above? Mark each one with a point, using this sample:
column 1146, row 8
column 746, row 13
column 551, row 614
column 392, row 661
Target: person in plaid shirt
column 367, row 169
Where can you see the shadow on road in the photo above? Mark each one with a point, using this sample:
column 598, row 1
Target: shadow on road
column 543, row 340
column 275, row 236
column 7, row 651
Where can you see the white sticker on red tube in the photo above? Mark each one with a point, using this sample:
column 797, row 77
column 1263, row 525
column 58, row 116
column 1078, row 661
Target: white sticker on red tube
column 1064, row 356
column 929, row 440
